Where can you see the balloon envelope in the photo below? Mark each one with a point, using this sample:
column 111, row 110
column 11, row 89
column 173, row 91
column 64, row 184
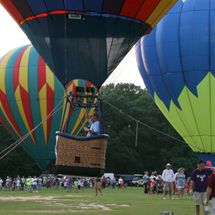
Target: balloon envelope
column 29, row 92
column 177, row 63
column 85, row 39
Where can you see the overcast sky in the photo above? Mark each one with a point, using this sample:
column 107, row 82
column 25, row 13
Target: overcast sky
column 11, row 36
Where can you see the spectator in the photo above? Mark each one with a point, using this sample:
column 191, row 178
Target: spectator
column 1, row 183
column 145, row 181
column 29, row 183
column 103, row 182
column 188, row 185
column 211, row 193
column 180, row 182
column 98, row 186
column 199, row 179
column 168, row 177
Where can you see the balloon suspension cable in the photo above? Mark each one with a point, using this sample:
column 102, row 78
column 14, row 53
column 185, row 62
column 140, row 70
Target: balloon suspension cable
column 14, row 145
column 72, row 99
column 115, row 76
column 141, row 123
column 137, row 129
column 64, row 112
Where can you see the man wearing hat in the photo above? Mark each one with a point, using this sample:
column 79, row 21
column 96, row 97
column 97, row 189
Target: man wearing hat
column 168, row 177
column 199, row 181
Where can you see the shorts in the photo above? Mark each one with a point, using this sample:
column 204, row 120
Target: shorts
column 98, row 185
column 180, row 187
column 213, row 206
column 167, row 186
column 199, row 197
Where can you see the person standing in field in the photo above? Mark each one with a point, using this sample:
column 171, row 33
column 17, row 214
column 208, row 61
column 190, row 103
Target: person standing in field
column 98, row 186
column 198, row 184
column 1, row 183
column 180, row 180
column 145, row 181
column 168, row 177
column 210, row 195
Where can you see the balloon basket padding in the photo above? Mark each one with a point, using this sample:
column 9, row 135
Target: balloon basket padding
column 80, row 155
column 79, row 171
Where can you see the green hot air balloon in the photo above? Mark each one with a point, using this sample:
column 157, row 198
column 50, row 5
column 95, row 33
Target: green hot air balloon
column 29, row 92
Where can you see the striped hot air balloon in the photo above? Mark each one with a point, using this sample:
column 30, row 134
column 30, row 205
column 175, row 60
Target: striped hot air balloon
column 83, row 98
column 29, row 92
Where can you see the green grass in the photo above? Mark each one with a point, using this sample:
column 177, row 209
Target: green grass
column 131, row 201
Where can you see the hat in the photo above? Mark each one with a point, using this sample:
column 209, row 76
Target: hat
column 168, row 164
column 202, row 162
column 208, row 163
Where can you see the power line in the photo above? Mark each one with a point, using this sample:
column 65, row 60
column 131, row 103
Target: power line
column 141, row 123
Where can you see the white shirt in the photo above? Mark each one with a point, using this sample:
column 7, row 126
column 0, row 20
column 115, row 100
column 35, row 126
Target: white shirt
column 34, row 181
column 175, row 176
column 168, row 175
column 95, row 127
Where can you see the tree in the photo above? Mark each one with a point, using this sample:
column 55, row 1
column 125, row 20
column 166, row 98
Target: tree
column 17, row 162
column 153, row 150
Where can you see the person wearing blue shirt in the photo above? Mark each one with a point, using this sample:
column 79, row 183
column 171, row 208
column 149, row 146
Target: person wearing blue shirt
column 199, row 181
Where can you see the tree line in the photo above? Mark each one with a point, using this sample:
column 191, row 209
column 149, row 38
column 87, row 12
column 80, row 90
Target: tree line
column 127, row 152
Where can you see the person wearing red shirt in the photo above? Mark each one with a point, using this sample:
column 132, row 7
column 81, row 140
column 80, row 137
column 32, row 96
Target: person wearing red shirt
column 211, row 192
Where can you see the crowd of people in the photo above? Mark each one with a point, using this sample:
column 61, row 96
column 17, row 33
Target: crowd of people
column 34, row 184
column 201, row 184
column 177, row 182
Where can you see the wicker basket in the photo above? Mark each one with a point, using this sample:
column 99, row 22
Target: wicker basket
column 81, row 152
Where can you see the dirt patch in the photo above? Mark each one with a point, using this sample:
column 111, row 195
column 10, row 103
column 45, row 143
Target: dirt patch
column 116, row 205
column 74, row 196
column 95, row 206
column 27, row 198
column 59, row 204
column 50, row 211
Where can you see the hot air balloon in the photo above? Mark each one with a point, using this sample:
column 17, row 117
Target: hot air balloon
column 85, row 39
column 29, row 92
column 80, row 155
column 177, row 63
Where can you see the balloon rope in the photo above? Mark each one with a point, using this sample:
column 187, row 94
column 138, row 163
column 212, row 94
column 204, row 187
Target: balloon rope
column 19, row 141
column 144, row 124
column 9, row 146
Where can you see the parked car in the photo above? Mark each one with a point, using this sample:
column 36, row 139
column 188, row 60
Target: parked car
column 137, row 180
column 126, row 178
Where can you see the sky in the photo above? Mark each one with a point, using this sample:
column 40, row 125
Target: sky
column 11, row 36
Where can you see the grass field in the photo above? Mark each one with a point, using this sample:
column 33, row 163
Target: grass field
column 113, row 202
